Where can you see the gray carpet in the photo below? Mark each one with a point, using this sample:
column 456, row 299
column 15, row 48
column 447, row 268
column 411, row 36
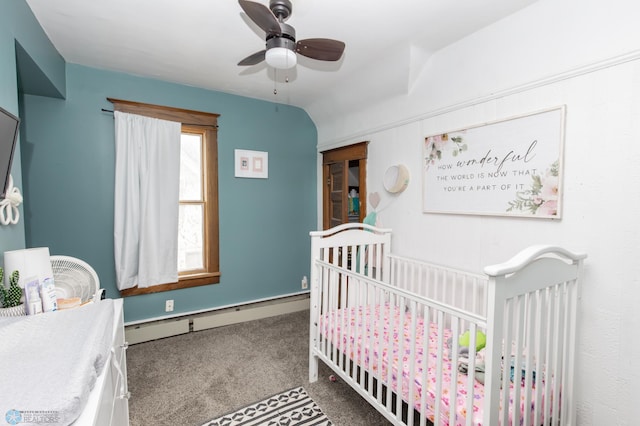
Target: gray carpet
column 190, row 379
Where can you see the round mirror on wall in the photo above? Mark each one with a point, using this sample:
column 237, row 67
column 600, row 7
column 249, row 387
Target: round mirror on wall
column 396, row 179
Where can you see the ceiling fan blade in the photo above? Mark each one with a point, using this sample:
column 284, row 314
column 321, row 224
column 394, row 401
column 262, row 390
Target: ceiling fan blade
column 256, row 58
column 262, row 16
column 323, row 49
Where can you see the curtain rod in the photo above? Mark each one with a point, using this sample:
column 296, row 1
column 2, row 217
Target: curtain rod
column 186, row 124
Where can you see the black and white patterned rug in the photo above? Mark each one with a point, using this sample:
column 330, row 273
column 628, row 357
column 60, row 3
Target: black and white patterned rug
column 290, row 408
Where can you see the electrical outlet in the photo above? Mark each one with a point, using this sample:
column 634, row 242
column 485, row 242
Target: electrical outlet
column 168, row 305
column 304, row 283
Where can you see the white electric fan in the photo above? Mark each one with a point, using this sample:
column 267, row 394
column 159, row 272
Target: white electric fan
column 74, row 277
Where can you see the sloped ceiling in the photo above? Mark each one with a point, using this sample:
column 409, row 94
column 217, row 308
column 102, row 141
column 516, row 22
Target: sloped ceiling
column 200, row 42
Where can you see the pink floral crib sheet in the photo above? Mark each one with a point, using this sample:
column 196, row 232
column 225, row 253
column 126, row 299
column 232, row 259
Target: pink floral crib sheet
column 353, row 326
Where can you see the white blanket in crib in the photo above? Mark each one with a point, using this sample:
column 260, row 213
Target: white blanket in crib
column 49, row 363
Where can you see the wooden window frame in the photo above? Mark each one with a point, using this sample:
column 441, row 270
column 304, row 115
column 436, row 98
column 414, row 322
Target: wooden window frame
column 192, row 122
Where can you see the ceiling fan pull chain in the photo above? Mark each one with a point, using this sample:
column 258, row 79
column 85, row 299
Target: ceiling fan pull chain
column 275, row 81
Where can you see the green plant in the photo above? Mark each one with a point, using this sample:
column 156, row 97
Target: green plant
column 10, row 297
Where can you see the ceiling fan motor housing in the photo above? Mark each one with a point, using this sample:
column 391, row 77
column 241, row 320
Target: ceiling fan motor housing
column 287, row 39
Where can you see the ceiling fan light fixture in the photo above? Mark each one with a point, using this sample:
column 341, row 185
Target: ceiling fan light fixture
column 281, row 58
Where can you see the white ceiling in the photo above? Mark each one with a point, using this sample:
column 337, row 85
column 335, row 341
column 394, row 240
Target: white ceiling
column 200, row 42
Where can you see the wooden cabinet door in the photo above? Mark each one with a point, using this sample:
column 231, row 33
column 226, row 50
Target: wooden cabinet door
column 337, row 182
column 335, row 169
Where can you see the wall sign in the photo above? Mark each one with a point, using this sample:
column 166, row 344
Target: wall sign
column 507, row 168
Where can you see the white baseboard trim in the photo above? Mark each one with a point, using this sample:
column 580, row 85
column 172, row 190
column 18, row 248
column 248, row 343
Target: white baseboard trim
column 145, row 332
column 155, row 330
column 203, row 322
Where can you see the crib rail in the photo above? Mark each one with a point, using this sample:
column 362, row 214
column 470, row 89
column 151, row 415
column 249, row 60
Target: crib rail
column 462, row 289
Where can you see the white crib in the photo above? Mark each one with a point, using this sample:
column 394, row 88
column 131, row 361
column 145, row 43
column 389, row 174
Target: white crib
column 369, row 306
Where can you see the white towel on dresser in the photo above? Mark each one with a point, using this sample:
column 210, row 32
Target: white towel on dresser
column 49, row 363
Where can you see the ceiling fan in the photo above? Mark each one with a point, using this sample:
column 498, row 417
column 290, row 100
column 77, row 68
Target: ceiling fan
column 281, row 45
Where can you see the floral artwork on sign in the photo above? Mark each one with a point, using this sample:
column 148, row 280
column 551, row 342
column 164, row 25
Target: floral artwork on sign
column 541, row 197
column 435, row 145
column 509, row 168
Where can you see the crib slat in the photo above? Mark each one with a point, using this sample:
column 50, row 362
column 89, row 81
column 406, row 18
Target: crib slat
column 352, row 328
column 324, row 307
column 506, row 354
column 362, row 301
column 439, row 364
column 528, row 364
column 518, row 325
column 455, row 331
column 389, row 344
column 425, row 358
column 339, row 302
column 470, row 381
column 370, row 265
column 539, row 321
column 373, row 302
column 547, row 356
column 412, row 364
column 381, row 337
column 401, row 337
column 327, row 308
column 564, row 337
column 556, row 356
column 568, row 402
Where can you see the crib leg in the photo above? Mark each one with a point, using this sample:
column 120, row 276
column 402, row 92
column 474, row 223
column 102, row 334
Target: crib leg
column 313, row 368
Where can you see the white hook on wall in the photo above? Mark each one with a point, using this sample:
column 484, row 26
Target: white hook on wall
column 9, row 213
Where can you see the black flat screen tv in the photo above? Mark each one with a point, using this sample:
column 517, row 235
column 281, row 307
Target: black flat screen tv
column 9, row 125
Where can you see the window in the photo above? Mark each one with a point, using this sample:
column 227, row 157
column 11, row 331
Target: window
column 192, row 205
column 198, row 239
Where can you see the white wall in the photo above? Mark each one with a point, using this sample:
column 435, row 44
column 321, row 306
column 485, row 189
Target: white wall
column 582, row 54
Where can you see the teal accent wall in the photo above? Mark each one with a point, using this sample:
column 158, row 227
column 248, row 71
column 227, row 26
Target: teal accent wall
column 68, row 167
column 44, row 67
column 28, row 63
column 11, row 236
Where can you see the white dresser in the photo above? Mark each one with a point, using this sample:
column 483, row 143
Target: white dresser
column 108, row 404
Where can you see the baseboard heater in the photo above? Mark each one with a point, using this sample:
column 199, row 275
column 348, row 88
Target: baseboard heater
column 216, row 318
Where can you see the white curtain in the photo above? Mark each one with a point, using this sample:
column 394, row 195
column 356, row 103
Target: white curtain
column 146, row 200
